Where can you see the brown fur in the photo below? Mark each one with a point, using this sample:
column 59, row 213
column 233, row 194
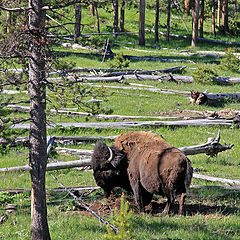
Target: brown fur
column 154, row 167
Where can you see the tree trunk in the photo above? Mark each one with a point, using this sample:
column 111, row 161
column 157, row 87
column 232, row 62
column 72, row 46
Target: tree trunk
column 92, row 10
column 142, row 23
column 157, row 21
column 115, row 17
column 218, row 12
column 202, row 18
column 213, row 19
column 195, row 16
column 225, row 16
column 78, row 17
column 98, row 21
column 122, row 16
column 168, row 20
column 187, row 6
column 9, row 21
column 37, row 133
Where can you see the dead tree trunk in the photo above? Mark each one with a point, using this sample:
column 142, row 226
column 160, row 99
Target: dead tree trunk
column 9, row 21
column 77, row 27
column 202, row 18
column 37, row 134
column 218, row 12
column 157, row 21
column 92, row 10
column 213, row 19
column 195, row 16
column 142, row 23
column 122, row 16
column 98, row 21
column 168, row 20
column 115, row 17
column 225, row 17
column 187, row 6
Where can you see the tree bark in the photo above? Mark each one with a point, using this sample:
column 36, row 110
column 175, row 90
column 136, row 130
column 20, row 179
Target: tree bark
column 202, row 18
column 157, row 21
column 122, row 16
column 78, row 17
column 98, row 21
column 213, row 19
column 115, row 17
column 142, row 23
column 218, row 12
column 187, row 6
column 168, row 20
column 92, row 10
column 9, row 22
column 37, row 134
column 225, row 16
column 195, row 23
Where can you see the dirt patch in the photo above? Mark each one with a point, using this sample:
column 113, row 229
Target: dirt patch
column 105, row 207
column 191, row 114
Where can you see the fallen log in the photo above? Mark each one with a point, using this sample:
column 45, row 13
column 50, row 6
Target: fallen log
column 98, row 116
column 216, row 179
column 118, row 72
column 139, row 124
column 202, row 39
column 212, row 98
column 211, row 148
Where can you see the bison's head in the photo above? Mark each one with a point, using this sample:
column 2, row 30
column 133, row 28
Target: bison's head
column 105, row 158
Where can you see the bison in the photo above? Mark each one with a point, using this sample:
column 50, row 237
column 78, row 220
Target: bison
column 148, row 164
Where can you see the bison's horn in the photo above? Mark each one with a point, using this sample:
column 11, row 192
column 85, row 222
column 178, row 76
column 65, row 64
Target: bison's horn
column 111, row 155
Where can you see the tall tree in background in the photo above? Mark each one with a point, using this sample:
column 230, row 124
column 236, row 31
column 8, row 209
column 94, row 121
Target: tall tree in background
column 187, row 6
column 115, row 17
column 168, row 20
column 37, row 135
column 213, row 18
column 202, row 18
column 218, row 12
column 142, row 23
column 225, row 15
column 122, row 16
column 156, row 26
column 195, row 16
column 78, row 17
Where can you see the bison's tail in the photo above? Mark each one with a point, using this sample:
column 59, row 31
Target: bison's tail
column 189, row 174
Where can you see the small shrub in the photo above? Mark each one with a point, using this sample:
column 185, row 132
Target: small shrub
column 205, row 74
column 118, row 62
column 230, row 61
column 122, row 220
column 5, row 197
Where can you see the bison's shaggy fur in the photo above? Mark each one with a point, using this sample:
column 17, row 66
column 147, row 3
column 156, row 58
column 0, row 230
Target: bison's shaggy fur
column 154, row 166
column 145, row 163
column 109, row 174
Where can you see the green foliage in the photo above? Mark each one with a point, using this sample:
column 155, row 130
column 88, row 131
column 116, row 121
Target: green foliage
column 123, row 220
column 230, row 61
column 205, row 74
column 5, row 197
column 70, row 205
column 118, row 61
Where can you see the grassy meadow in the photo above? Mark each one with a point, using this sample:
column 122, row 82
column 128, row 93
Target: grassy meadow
column 210, row 212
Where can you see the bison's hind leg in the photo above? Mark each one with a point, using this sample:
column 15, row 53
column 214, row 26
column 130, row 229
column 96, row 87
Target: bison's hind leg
column 181, row 202
column 141, row 195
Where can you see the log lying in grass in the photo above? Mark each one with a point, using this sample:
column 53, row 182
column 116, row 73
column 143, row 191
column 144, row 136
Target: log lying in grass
column 142, row 124
column 212, row 98
column 212, row 148
column 118, row 72
column 216, row 179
